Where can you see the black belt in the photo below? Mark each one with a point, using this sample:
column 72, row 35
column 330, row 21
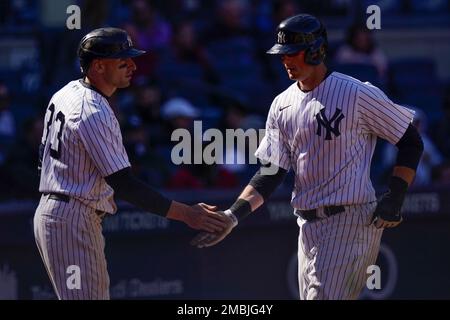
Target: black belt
column 311, row 215
column 66, row 198
column 58, row 197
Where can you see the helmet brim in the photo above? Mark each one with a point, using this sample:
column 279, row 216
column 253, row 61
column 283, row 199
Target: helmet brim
column 286, row 48
column 129, row 53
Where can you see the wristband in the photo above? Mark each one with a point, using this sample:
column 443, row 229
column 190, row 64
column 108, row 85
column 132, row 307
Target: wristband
column 241, row 209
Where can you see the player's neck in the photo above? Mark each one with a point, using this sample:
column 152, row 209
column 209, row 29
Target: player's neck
column 316, row 78
column 100, row 85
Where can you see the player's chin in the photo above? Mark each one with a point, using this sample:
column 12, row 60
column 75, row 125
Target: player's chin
column 292, row 77
column 125, row 83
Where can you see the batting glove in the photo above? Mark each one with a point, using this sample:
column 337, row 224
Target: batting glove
column 207, row 239
column 387, row 214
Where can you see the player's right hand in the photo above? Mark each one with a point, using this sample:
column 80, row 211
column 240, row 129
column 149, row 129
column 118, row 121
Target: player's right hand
column 208, row 239
column 387, row 213
column 202, row 216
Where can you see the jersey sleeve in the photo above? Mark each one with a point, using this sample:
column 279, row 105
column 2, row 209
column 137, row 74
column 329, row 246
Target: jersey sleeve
column 100, row 133
column 273, row 147
column 380, row 116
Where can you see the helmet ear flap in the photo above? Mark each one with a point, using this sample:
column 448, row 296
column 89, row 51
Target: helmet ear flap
column 316, row 53
column 85, row 61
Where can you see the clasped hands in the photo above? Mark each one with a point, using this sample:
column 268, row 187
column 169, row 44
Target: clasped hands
column 207, row 239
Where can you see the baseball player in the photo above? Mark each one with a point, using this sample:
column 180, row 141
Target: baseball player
column 84, row 164
column 324, row 127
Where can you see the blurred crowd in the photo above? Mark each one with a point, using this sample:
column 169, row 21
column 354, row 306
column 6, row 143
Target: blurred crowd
column 206, row 61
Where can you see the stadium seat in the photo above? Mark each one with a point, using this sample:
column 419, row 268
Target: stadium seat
column 412, row 75
column 419, row 65
column 386, row 6
column 183, row 79
column 435, row 6
column 231, row 47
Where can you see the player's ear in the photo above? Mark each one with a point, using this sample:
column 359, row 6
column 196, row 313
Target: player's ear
column 98, row 66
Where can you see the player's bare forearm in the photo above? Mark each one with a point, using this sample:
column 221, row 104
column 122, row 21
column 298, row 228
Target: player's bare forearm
column 176, row 211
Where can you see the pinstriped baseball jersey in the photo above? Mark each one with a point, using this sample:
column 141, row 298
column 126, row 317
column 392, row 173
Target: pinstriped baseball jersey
column 328, row 136
column 83, row 144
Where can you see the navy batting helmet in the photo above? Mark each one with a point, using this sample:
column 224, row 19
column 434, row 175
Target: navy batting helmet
column 302, row 32
column 106, row 43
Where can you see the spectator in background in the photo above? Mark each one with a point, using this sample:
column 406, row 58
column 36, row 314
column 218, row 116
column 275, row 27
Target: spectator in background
column 360, row 47
column 148, row 31
column 268, row 14
column 185, row 48
column 180, row 114
column 95, row 14
column 6, row 12
column 202, row 176
column 7, row 123
column 185, row 68
column 147, row 106
column 441, row 133
column 18, row 13
column 283, row 9
column 22, row 177
column 148, row 102
column 232, row 19
column 234, row 118
column 237, row 117
column 147, row 164
column 431, row 158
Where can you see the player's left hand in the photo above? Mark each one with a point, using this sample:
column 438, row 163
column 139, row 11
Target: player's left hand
column 208, row 239
column 387, row 214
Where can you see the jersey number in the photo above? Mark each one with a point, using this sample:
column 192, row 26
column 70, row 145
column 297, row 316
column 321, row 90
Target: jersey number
column 55, row 138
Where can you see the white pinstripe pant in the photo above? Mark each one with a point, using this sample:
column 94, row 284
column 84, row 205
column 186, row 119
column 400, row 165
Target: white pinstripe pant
column 334, row 253
column 70, row 234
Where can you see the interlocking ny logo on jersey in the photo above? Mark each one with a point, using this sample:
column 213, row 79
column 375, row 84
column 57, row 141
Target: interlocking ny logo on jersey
column 332, row 125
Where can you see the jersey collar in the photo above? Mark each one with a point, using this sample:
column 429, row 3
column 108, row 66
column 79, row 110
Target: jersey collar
column 90, row 86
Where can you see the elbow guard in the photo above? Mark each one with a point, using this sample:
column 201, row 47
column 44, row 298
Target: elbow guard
column 410, row 149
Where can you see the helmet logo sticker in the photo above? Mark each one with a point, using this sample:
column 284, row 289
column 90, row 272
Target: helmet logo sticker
column 281, row 37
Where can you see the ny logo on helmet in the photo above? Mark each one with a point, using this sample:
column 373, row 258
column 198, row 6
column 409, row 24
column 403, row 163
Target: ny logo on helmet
column 130, row 42
column 281, row 37
column 331, row 126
